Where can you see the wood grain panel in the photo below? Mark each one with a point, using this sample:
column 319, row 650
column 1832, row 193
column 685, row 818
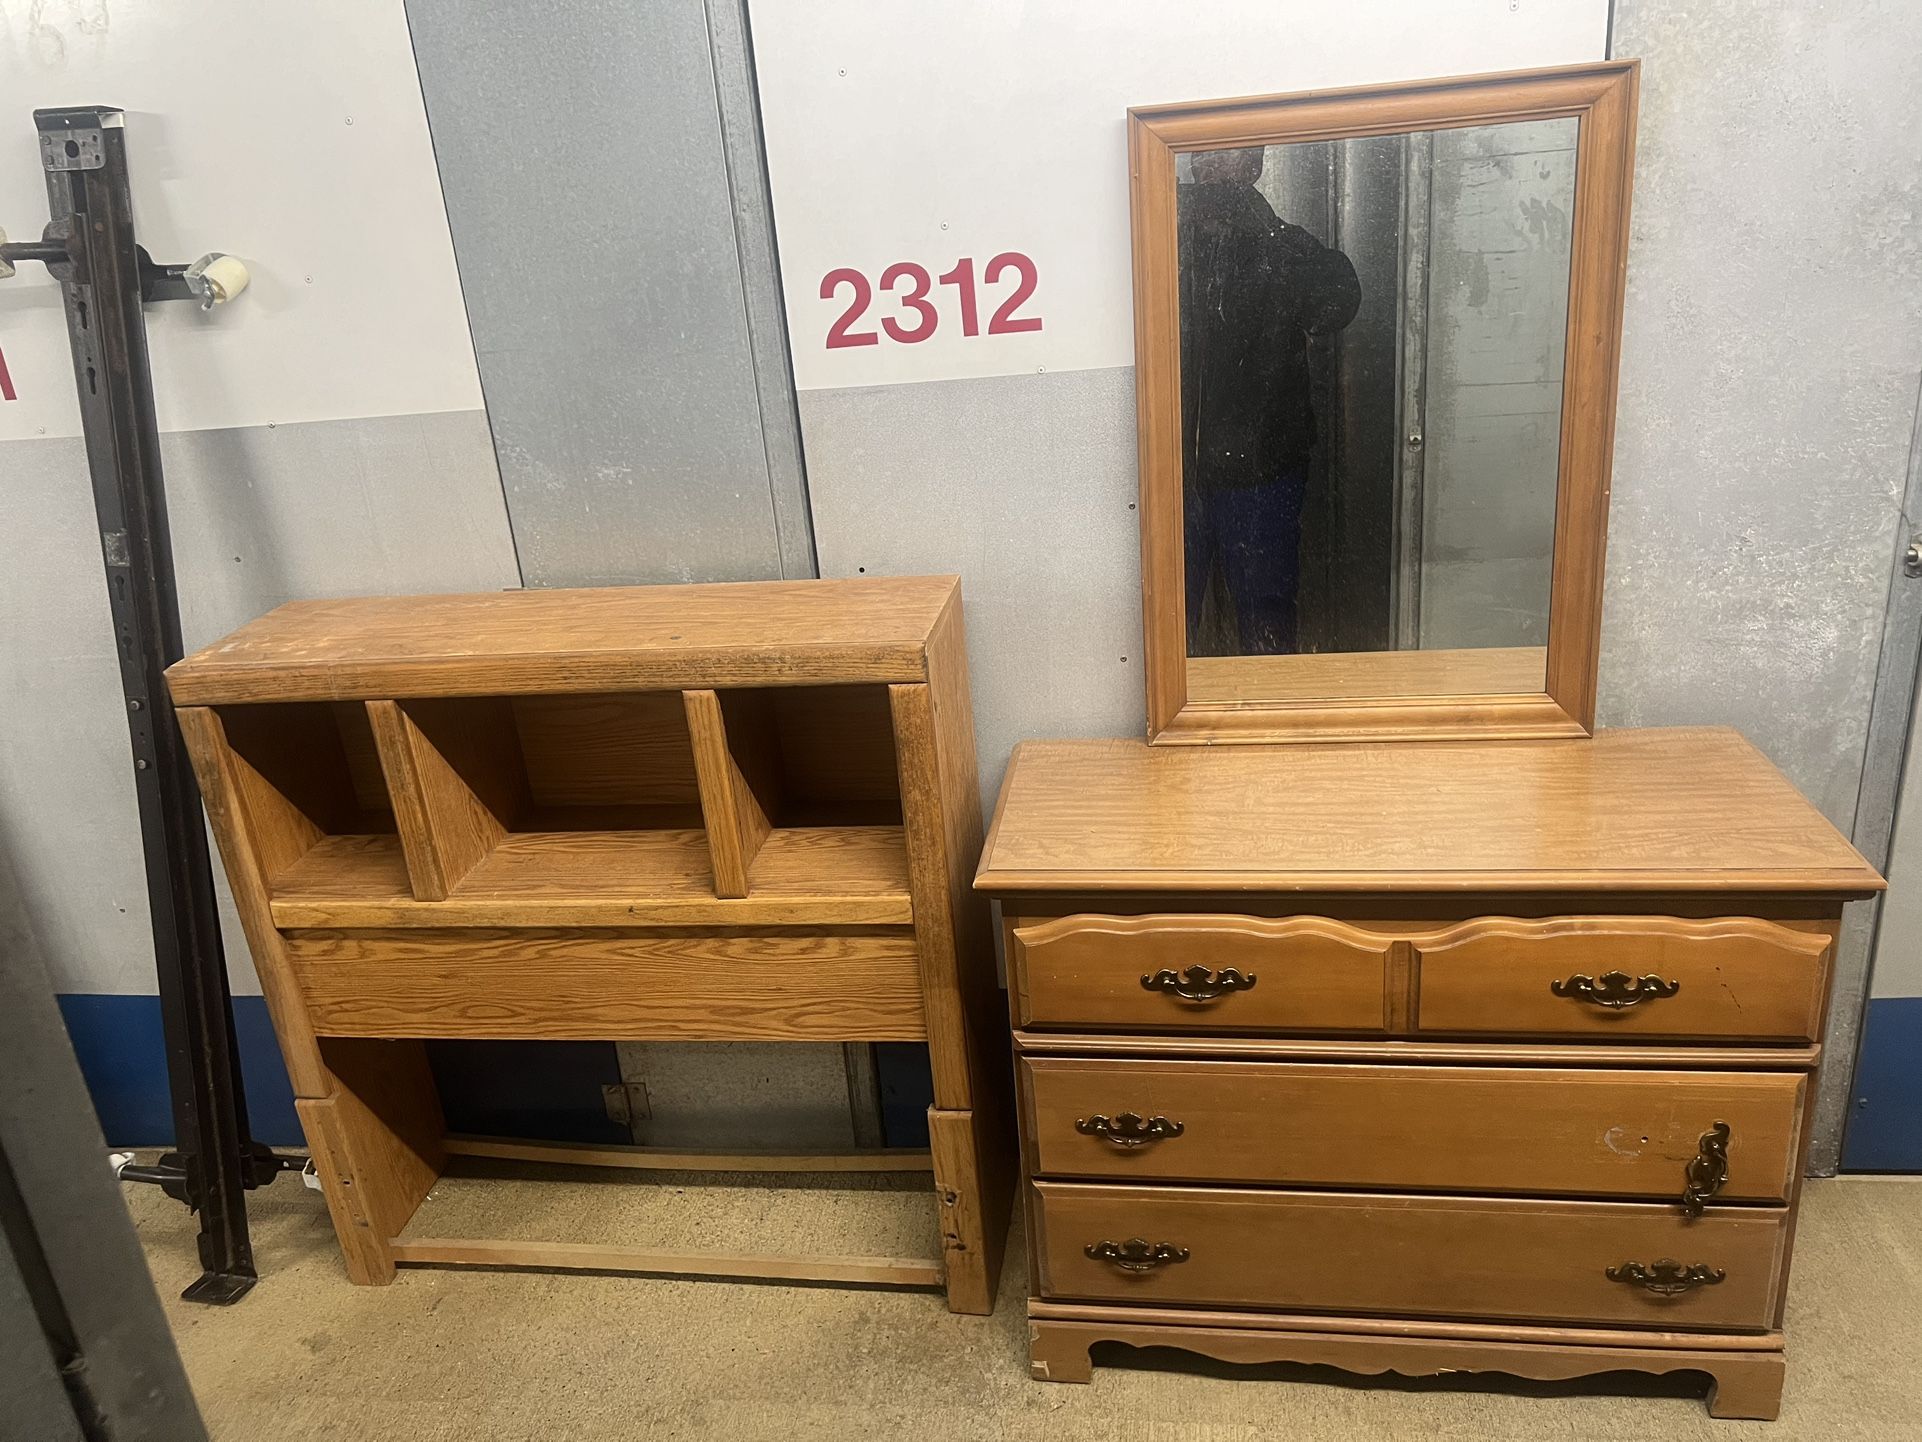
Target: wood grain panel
column 1519, row 1131
column 1405, row 1327
column 545, row 642
column 609, row 985
column 1413, row 1256
column 1365, row 675
column 1741, row 1383
column 294, row 777
column 1309, row 973
column 454, row 772
column 826, row 876
column 376, row 1145
column 736, row 822
column 1685, row 810
column 1737, row 978
column 836, row 742
column 628, row 749
column 256, row 840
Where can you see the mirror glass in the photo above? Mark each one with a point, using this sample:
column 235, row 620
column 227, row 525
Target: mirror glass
column 1372, row 337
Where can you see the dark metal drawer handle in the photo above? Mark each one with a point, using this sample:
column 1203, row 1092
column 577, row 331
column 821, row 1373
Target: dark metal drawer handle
column 1198, row 983
column 1707, row 1171
column 1128, row 1129
column 1137, row 1254
column 1666, row 1277
column 1615, row 989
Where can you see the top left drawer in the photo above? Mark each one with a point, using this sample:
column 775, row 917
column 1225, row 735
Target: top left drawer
column 1199, row 973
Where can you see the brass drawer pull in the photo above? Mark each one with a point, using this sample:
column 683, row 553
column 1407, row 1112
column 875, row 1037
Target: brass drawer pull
column 1666, row 1277
column 1615, row 990
column 1707, row 1171
column 1128, row 1129
column 1137, row 1254
column 1198, row 983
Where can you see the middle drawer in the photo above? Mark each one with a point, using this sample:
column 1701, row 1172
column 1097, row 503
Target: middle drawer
column 1533, row 1131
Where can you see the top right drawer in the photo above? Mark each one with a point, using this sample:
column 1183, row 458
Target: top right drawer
column 1615, row 978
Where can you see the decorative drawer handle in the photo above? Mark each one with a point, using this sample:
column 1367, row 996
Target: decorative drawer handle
column 1666, row 1277
column 1129, row 1129
column 1707, row 1171
column 1198, row 983
column 1137, row 1254
column 1615, row 990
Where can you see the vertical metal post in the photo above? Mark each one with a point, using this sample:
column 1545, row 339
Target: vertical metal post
column 84, row 153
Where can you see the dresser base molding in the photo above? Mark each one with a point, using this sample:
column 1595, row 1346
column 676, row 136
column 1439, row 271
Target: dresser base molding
column 1744, row 1382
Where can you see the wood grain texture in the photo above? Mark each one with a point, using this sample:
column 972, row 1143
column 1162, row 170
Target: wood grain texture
column 836, row 742
column 817, row 876
column 1404, row 1327
column 376, row 1146
column 972, row 1241
column 1366, row 675
column 1309, row 973
column 888, row 1159
column 1741, row 1384
column 609, row 985
column 598, row 1257
column 449, row 815
column 1450, row 1053
column 312, row 758
column 621, row 749
column 972, row 1120
column 1526, row 1260
column 546, row 642
column 1738, row 979
column 1685, row 810
column 1512, row 1131
column 250, row 837
column 736, row 822
column 1602, row 97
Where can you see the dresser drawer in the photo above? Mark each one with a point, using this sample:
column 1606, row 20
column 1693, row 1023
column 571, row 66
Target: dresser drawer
column 1614, row 978
column 1526, row 1131
column 1200, row 973
column 1546, row 1261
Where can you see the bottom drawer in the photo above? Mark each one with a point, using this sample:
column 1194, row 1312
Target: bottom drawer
column 1515, row 1260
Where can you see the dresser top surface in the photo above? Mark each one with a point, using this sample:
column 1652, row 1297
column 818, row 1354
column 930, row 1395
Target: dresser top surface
column 607, row 638
column 1686, row 809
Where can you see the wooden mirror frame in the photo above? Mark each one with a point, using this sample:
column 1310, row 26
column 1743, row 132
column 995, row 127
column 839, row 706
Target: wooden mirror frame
column 1602, row 96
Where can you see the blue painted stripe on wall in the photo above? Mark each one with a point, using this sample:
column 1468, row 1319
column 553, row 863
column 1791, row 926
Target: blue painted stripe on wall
column 1885, row 1120
column 123, row 1055
column 545, row 1090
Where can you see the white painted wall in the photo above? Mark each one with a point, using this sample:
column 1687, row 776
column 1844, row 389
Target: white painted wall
column 935, row 132
column 290, row 135
column 319, row 438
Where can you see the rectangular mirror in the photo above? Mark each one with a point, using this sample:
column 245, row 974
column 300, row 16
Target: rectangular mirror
column 1376, row 340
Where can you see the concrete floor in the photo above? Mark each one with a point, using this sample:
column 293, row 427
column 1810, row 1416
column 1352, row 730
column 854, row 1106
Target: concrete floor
column 497, row 1356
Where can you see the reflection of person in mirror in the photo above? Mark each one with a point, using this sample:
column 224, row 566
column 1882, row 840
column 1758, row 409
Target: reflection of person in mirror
column 1254, row 288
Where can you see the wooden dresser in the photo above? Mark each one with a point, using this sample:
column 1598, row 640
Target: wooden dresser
column 670, row 813
column 1418, row 1058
